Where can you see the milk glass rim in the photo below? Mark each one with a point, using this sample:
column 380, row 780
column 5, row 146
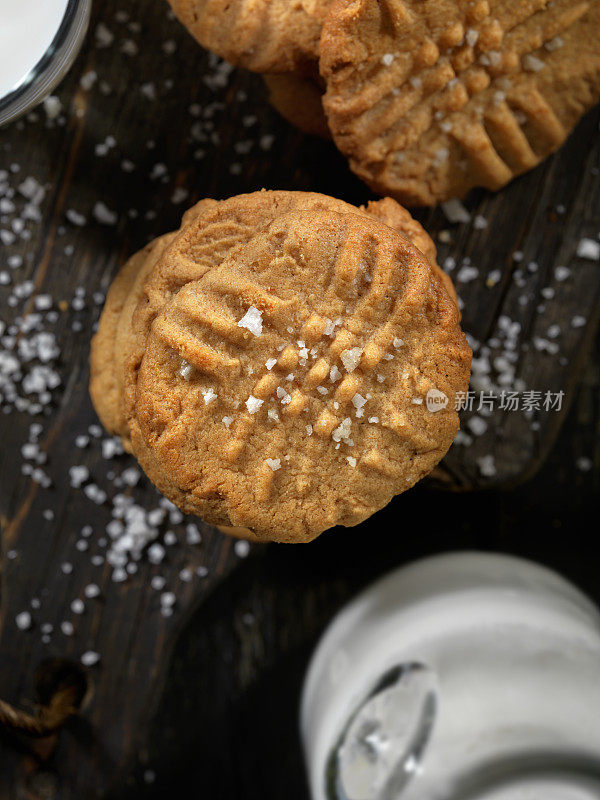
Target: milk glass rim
column 51, row 68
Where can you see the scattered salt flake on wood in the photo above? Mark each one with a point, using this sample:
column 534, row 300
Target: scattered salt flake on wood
column 588, row 248
column 487, row 466
column 23, row 621
column 455, row 211
column 104, row 215
column 241, row 548
column 90, row 658
column 466, row 274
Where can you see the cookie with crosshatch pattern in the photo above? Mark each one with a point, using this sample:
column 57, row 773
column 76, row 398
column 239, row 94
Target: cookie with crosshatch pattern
column 261, row 35
column 110, row 345
column 284, row 390
column 429, row 98
column 106, row 372
column 211, row 231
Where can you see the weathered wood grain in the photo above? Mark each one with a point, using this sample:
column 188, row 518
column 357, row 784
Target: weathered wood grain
column 159, row 109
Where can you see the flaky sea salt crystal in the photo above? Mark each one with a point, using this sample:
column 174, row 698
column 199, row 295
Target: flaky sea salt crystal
column 156, row 553
column 77, row 606
column 533, row 64
column 358, row 401
column 455, row 211
column 588, row 248
column 342, row 431
column 185, row 370
column 329, row 328
column 78, row 475
column 283, row 395
column 23, row 621
column 252, row 320
column 273, row 463
column 270, row 363
column 487, row 466
column 227, row 421
column 209, row 395
column 241, row 548
column 253, row 404
column 351, row 358
column 471, row 36
column 477, row 426
column 103, row 214
column 351, row 460
column 334, row 374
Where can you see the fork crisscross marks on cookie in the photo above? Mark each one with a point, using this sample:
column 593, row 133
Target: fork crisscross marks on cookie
column 302, row 416
column 429, row 98
column 211, row 231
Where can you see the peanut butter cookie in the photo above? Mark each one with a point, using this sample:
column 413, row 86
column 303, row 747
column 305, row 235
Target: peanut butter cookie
column 284, row 390
column 429, row 98
column 299, row 100
column 261, row 35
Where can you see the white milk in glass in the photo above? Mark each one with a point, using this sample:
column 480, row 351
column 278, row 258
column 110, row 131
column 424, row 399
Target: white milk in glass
column 462, row 677
column 27, row 29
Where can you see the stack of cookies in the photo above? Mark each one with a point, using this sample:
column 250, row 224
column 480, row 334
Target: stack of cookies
column 426, row 98
column 284, row 362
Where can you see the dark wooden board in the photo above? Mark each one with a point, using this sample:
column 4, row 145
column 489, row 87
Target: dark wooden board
column 216, row 136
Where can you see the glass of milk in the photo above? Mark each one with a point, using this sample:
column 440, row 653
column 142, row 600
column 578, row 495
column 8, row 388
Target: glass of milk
column 467, row 676
column 39, row 40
